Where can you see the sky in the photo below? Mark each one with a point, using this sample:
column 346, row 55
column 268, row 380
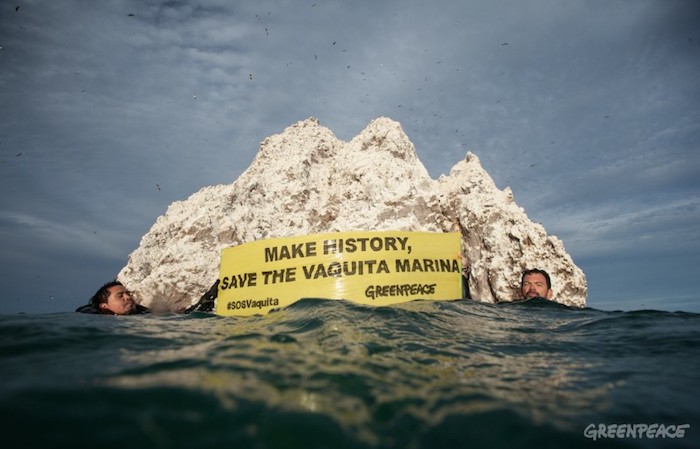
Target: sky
column 589, row 110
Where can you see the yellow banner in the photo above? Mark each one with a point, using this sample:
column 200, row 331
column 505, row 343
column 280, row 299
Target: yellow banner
column 374, row 268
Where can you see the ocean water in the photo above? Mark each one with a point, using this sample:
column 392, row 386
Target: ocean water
column 332, row 374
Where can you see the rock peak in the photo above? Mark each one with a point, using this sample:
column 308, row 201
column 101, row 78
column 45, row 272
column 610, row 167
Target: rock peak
column 306, row 181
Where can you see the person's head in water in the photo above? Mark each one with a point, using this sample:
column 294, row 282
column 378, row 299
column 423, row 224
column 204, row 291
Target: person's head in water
column 114, row 298
column 536, row 283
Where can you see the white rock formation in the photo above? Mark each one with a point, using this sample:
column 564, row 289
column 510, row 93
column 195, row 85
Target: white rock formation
column 306, row 181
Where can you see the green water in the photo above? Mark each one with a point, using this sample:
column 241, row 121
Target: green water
column 334, row 374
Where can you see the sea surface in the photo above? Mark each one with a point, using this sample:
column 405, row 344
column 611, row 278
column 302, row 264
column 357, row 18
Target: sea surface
column 333, row 374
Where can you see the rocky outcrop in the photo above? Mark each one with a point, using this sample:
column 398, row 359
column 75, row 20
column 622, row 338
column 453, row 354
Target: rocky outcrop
column 306, row 181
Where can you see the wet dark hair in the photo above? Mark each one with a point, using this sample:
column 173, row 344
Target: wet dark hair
column 536, row 271
column 102, row 294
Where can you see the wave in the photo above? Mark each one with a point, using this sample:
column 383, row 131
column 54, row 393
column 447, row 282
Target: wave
column 335, row 373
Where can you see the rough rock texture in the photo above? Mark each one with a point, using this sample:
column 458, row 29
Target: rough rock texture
column 305, row 181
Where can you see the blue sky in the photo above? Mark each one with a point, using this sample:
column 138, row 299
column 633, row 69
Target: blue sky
column 587, row 109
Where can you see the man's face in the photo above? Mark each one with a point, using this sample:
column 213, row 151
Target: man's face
column 535, row 285
column 119, row 301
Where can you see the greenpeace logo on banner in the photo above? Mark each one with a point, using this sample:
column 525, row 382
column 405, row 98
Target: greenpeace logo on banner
column 649, row 431
column 376, row 268
column 377, row 291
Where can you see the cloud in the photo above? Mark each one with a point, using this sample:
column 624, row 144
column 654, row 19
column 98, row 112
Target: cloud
column 32, row 235
column 589, row 114
column 650, row 229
